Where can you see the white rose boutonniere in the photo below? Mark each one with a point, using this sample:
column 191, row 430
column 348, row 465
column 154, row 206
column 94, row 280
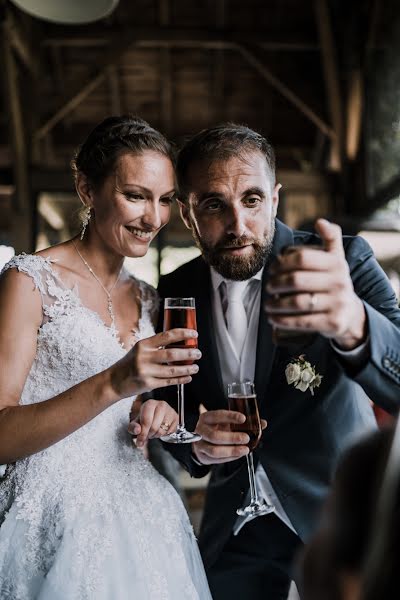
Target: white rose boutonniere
column 302, row 375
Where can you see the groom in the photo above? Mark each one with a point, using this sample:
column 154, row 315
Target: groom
column 256, row 275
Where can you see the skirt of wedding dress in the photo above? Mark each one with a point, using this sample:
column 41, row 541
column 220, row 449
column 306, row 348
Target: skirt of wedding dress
column 133, row 566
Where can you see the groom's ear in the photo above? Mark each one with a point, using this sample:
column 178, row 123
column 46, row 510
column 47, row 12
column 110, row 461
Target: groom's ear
column 184, row 210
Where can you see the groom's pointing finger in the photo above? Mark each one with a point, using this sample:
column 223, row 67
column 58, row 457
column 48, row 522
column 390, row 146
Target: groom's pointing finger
column 331, row 235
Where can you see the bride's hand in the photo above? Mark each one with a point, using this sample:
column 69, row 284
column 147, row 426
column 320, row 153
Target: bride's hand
column 149, row 365
column 156, row 418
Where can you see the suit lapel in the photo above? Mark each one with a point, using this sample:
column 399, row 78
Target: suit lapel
column 265, row 352
column 209, row 363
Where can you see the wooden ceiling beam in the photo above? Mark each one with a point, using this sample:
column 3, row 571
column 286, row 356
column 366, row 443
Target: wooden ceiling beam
column 285, row 91
column 219, row 64
column 331, row 76
column 124, row 44
column 354, row 114
column 165, row 34
column 114, row 90
column 57, row 68
column 23, row 217
column 116, row 51
column 18, row 43
column 375, row 12
column 67, row 106
column 166, row 85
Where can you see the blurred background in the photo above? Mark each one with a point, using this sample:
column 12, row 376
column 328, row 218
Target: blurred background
column 319, row 78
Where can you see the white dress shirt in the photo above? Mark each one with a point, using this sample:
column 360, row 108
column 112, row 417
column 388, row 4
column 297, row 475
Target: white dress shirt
column 235, row 369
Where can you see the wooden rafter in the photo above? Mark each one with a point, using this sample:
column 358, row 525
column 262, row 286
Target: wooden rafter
column 68, row 106
column 354, row 114
column 83, row 88
column 219, row 63
column 156, row 36
column 114, row 87
column 19, row 45
column 331, row 77
column 119, row 49
column 23, row 218
column 166, row 71
column 283, row 89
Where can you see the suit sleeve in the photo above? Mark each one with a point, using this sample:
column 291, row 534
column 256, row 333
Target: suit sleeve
column 182, row 452
column 380, row 375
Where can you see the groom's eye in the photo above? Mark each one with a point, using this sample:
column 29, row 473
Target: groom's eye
column 213, row 205
column 252, row 200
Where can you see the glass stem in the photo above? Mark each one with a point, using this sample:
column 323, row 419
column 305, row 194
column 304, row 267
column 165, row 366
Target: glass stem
column 181, row 409
column 252, row 478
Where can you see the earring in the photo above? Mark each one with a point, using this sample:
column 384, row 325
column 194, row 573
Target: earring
column 85, row 221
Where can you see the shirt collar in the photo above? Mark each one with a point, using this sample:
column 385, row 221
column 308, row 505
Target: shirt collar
column 217, row 279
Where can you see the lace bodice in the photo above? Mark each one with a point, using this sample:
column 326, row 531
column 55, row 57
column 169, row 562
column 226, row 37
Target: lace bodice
column 95, row 470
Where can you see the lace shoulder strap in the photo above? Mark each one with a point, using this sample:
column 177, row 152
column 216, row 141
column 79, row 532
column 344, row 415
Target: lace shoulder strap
column 37, row 267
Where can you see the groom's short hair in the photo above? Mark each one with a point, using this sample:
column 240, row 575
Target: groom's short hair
column 222, row 142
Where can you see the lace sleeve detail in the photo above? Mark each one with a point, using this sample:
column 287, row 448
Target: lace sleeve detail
column 33, row 265
column 150, row 301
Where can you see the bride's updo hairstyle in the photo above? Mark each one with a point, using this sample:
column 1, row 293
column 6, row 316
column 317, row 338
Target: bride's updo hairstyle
column 113, row 137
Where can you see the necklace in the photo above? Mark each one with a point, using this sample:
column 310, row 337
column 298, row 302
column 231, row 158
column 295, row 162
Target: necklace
column 108, row 292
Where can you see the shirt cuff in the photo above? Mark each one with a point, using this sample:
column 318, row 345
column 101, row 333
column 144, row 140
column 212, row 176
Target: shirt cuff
column 196, row 462
column 355, row 357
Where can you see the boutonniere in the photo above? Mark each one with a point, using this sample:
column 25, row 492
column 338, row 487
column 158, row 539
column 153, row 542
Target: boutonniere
column 302, row 375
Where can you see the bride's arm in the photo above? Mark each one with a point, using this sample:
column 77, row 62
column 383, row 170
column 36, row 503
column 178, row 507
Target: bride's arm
column 27, row 429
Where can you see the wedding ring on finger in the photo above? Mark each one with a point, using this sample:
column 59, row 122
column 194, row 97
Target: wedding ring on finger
column 165, row 426
column 312, row 302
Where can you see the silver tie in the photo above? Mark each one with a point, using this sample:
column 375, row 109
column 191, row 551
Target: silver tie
column 236, row 318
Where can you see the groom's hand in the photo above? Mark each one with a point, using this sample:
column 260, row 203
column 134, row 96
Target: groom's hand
column 311, row 290
column 219, row 444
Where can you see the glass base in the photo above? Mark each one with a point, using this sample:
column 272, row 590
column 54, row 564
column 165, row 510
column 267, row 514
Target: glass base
column 255, row 509
column 181, row 436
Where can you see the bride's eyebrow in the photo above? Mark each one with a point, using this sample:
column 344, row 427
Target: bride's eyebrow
column 170, row 193
column 136, row 187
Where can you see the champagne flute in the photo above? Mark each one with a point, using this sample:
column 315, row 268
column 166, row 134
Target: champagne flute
column 242, row 398
column 181, row 312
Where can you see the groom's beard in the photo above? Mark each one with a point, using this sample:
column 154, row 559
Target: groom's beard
column 238, row 268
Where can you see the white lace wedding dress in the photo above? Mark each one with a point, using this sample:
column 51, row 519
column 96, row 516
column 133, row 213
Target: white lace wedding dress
column 89, row 517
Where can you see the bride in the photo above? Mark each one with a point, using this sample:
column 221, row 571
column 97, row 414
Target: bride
column 83, row 515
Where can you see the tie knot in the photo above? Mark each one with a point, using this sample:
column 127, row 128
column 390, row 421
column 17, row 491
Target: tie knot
column 235, row 290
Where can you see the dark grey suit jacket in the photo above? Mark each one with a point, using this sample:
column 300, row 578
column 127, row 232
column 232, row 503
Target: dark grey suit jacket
column 305, row 434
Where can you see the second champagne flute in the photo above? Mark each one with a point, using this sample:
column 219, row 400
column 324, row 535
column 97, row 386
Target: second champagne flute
column 242, row 398
column 181, row 312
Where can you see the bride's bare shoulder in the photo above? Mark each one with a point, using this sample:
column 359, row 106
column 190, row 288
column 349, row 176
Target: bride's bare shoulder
column 63, row 259
column 59, row 252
